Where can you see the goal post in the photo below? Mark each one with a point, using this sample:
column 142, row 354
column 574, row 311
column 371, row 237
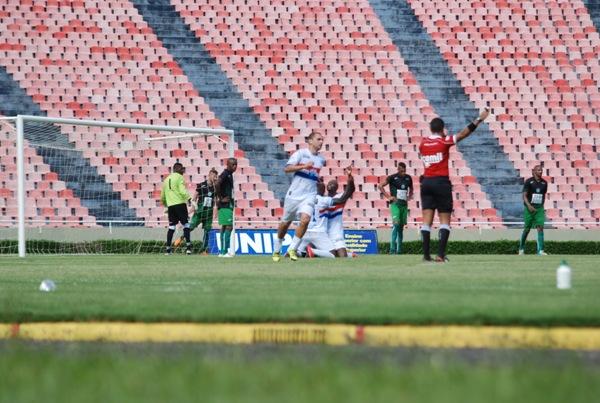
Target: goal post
column 108, row 172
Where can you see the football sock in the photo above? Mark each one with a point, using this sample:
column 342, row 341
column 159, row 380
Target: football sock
column 394, row 238
column 400, row 236
column 540, row 241
column 523, row 239
column 277, row 245
column 170, row 233
column 186, row 235
column 444, row 235
column 205, row 239
column 226, row 239
column 295, row 243
column 323, row 253
column 425, row 237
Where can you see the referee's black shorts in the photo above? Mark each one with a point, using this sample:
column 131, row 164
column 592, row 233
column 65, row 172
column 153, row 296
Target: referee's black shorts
column 178, row 213
column 436, row 194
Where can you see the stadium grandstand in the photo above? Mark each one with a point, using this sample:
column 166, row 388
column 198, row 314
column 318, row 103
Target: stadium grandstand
column 369, row 75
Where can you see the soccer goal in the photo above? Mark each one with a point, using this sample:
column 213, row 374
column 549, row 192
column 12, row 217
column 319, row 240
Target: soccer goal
column 86, row 186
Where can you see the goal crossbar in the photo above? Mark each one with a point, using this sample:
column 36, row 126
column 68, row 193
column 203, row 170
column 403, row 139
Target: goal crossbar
column 19, row 121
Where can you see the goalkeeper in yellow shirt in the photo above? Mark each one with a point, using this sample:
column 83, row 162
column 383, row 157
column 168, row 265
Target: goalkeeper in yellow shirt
column 175, row 196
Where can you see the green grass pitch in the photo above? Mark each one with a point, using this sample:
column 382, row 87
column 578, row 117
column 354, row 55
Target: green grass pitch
column 295, row 374
column 471, row 289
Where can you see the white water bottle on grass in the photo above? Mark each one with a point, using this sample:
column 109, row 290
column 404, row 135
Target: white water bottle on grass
column 563, row 276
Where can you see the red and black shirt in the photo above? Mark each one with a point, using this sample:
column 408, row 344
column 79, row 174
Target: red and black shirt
column 435, row 151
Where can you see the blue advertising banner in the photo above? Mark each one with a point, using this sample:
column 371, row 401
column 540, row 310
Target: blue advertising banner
column 260, row 241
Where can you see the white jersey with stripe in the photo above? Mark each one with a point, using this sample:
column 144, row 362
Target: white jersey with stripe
column 335, row 224
column 318, row 223
column 304, row 182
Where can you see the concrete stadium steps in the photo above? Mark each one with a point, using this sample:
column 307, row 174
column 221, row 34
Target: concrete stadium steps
column 225, row 101
column 482, row 151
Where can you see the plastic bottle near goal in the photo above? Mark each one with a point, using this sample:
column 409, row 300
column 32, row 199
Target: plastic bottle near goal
column 563, row 276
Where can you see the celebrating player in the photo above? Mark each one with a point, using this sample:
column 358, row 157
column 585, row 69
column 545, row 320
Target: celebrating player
column 317, row 241
column 174, row 196
column 224, row 192
column 401, row 190
column 436, row 189
column 534, row 196
column 335, row 223
column 205, row 202
column 305, row 164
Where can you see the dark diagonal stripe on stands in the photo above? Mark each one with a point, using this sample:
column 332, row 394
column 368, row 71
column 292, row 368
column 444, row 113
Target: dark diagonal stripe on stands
column 223, row 98
column 593, row 7
column 482, row 151
column 64, row 159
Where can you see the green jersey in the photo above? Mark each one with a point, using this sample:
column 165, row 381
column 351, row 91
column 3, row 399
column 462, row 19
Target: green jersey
column 400, row 188
column 535, row 191
column 224, row 189
column 206, row 195
column 174, row 191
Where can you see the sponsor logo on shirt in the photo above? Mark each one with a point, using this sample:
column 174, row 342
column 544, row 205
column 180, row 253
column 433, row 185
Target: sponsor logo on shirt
column 432, row 159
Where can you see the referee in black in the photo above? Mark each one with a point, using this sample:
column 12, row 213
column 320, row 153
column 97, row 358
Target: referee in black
column 436, row 189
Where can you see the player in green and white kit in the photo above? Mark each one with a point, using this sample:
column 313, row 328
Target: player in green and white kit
column 401, row 190
column 205, row 202
column 534, row 196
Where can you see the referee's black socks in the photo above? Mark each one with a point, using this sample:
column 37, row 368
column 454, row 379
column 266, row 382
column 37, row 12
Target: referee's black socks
column 444, row 235
column 425, row 237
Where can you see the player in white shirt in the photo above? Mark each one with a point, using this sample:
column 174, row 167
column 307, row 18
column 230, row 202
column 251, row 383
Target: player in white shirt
column 317, row 234
column 299, row 202
column 335, row 224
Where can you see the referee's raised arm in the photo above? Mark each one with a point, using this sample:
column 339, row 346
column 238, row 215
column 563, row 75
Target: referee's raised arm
column 472, row 126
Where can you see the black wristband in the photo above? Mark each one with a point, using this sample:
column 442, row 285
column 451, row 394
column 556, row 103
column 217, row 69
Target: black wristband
column 472, row 126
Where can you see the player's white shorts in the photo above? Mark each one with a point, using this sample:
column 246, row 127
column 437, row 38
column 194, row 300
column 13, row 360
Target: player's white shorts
column 292, row 208
column 339, row 243
column 319, row 239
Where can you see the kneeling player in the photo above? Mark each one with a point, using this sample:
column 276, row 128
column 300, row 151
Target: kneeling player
column 335, row 223
column 316, row 234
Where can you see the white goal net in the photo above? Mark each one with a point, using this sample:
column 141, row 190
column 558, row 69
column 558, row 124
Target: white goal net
column 77, row 186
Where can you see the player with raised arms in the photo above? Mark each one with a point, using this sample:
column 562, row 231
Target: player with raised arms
column 335, row 222
column 317, row 241
column 436, row 189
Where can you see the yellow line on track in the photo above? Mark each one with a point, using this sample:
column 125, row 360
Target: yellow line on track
column 327, row 334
